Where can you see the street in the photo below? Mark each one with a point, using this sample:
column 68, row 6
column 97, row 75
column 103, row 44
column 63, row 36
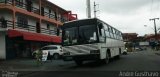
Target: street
column 134, row 61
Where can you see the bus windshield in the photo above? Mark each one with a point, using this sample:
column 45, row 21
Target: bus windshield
column 80, row 35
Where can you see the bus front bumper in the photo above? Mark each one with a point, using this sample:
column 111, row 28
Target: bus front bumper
column 81, row 57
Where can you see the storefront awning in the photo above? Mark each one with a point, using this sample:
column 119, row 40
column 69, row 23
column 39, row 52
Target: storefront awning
column 34, row 36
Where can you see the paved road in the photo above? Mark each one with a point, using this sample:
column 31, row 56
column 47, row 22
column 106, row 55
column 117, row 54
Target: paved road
column 136, row 61
column 140, row 60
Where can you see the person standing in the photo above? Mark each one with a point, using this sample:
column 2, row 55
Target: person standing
column 49, row 57
column 39, row 57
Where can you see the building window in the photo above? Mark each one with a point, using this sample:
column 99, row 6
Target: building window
column 22, row 22
column 48, row 26
column 59, row 17
column 50, row 13
column 2, row 1
column 29, row 5
column 19, row 3
column 56, row 15
column 42, row 11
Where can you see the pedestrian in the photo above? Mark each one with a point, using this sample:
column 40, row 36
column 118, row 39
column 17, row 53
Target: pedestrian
column 39, row 57
column 49, row 57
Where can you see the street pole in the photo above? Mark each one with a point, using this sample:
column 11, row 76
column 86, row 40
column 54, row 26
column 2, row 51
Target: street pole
column 155, row 28
column 88, row 9
column 95, row 10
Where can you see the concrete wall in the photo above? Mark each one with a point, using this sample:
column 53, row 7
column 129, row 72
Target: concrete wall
column 2, row 45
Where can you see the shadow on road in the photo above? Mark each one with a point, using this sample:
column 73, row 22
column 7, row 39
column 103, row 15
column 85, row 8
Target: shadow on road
column 93, row 64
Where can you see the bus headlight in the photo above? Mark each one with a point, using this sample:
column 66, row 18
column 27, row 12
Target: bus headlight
column 94, row 51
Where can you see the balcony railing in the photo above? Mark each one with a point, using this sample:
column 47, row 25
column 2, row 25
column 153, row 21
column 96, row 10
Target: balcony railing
column 6, row 24
column 51, row 32
column 21, row 5
column 32, row 9
column 25, row 27
column 27, row 7
column 49, row 15
column 7, row 1
column 29, row 28
column 32, row 28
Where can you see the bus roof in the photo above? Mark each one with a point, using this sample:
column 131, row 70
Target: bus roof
column 79, row 22
column 86, row 21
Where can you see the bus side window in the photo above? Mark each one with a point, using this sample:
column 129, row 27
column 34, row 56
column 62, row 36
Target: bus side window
column 121, row 38
column 106, row 27
column 94, row 38
column 103, row 33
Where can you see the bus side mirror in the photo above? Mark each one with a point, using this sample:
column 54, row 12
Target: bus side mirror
column 100, row 28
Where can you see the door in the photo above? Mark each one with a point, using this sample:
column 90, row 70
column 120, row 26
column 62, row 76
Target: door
column 38, row 29
column 29, row 5
column 42, row 11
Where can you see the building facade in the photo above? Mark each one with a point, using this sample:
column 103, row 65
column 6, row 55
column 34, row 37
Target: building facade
column 129, row 37
column 26, row 25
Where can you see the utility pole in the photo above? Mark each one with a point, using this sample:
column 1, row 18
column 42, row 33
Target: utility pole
column 88, row 9
column 95, row 10
column 155, row 28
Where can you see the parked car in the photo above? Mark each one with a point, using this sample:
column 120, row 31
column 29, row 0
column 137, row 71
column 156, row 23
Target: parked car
column 139, row 49
column 54, row 50
column 125, row 52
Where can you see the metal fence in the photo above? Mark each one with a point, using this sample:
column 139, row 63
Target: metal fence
column 29, row 28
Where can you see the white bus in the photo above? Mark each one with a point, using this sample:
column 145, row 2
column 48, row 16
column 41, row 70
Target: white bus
column 90, row 39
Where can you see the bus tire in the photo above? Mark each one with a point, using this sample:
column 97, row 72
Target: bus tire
column 120, row 51
column 78, row 62
column 106, row 60
column 118, row 56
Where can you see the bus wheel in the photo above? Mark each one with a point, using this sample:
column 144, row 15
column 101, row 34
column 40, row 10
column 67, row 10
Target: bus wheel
column 78, row 62
column 118, row 56
column 106, row 60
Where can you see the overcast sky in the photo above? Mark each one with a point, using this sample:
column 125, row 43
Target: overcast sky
column 129, row 16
